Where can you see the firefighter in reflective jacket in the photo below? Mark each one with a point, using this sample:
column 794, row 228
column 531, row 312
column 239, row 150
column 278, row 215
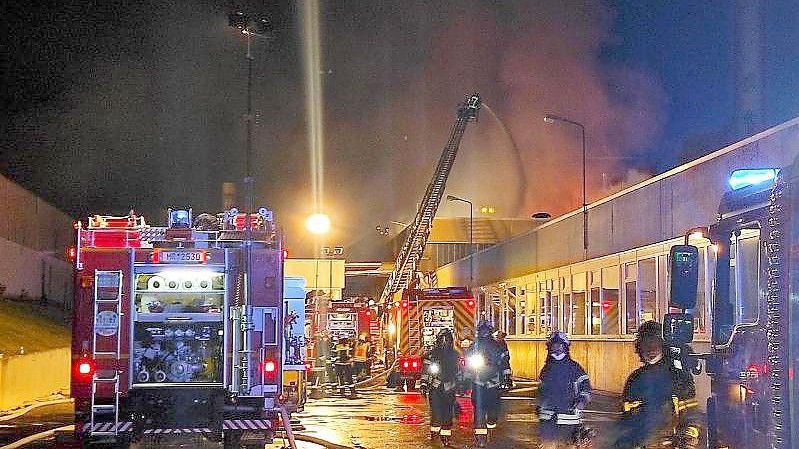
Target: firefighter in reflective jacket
column 564, row 392
column 361, row 356
column 484, row 369
column 655, row 396
column 440, row 374
column 343, row 352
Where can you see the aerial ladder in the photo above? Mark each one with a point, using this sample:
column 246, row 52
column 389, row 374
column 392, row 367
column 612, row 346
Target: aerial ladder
column 419, row 230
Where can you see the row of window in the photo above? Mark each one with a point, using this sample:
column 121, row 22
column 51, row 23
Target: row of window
column 607, row 300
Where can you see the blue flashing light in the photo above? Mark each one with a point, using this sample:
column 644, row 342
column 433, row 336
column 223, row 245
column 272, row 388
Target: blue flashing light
column 752, row 176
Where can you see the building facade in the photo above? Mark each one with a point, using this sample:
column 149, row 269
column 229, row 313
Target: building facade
column 544, row 279
column 34, row 236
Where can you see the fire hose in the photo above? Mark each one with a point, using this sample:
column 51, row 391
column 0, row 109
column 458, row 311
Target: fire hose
column 382, row 374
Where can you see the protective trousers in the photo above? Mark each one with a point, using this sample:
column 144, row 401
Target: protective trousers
column 486, row 408
column 442, row 403
column 344, row 374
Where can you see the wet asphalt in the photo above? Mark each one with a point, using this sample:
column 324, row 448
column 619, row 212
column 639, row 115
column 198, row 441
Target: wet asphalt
column 377, row 418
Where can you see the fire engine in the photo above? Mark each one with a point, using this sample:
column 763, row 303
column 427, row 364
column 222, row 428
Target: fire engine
column 420, row 316
column 350, row 318
column 755, row 330
column 178, row 331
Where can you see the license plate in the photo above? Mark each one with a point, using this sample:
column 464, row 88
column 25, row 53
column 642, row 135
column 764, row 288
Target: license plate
column 181, row 257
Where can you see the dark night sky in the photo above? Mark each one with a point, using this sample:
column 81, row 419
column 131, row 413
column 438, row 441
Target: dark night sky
column 113, row 104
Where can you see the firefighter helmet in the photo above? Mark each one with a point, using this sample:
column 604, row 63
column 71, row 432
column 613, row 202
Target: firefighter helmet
column 648, row 331
column 484, row 329
column 558, row 337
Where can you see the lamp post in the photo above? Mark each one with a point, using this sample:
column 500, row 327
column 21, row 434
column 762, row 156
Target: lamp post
column 551, row 118
column 471, row 245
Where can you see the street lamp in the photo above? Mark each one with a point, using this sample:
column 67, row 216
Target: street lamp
column 551, row 118
column 318, row 224
column 471, row 243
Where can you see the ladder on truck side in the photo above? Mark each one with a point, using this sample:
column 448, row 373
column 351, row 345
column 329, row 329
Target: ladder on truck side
column 104, row 325
column 419, row 230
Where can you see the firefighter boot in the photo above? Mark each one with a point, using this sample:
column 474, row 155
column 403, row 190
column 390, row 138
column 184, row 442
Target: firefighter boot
column 480, row 437
column 446, row 437
column 491, row 427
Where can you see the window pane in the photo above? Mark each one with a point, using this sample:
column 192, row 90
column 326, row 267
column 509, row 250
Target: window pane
column 745, row 274
column 610, row 301
column 578, row 313
column 647, row 282
column 532, row 314
column 596, row 320
column 555, row 312
column 567, row 317
column 700, row 317
column 511, row 313
column 632, row 307
column 578, row 305
column 545, row 313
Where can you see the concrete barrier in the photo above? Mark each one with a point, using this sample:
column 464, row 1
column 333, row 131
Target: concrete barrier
column 24, row 378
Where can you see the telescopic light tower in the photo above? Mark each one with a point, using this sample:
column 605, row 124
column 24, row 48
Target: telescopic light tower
column 249, row 27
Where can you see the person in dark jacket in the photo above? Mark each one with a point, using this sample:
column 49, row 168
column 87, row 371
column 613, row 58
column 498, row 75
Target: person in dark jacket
column 564, row 392
column 484, row 368
column 440, row 375
column 507, row 373
column 653, row 393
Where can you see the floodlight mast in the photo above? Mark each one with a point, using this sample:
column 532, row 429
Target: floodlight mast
column 243, row 22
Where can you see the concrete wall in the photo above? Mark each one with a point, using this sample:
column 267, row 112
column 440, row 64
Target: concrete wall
column 33, row 239
column 608, row 361
column 24, row 378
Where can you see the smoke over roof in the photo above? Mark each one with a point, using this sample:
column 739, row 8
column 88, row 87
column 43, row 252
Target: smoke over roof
column 148, row 110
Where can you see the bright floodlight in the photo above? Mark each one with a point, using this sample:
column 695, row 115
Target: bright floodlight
column 318, row 223
column 749, row 177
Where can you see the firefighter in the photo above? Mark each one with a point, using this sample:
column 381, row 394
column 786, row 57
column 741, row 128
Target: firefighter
column 653, row 394
column 343, row 352
column 484, row 370
column 440, row 374
column 361, row 356
column 564, row 392
column 507, row 373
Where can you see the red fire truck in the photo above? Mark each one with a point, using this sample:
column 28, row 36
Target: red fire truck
column 350, row 318
column 421, row 315
column 177, row 330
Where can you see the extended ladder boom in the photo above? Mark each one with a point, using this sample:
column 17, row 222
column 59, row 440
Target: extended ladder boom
column 419, row 230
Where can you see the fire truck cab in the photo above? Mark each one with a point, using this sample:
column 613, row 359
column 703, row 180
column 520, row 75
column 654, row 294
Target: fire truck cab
column 178, row 331
column 755, row 329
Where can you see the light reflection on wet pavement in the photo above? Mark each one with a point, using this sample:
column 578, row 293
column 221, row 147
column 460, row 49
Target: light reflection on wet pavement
column 383, row 420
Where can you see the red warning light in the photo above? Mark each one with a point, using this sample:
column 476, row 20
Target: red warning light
column 72, row 253
column 404, row 304
column 85, row 368
column 470, row 303
column 270, row 366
